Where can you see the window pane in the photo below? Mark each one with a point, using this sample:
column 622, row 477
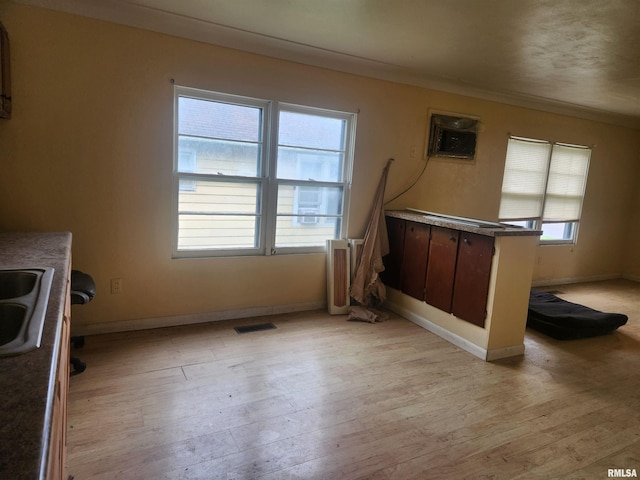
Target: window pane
column 197, row 232
column 212, row 156
column 219, row 197
column 315, row 165
column 306, row 215
column 557, row 231
column 207, row 118
column 311, row 131
column 309, row 199
column 521, row 223
column 311, row 148
column 298, row 232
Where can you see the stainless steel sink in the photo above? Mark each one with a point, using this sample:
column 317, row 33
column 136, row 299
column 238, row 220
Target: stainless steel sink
column 16, row 283
column 24, row 295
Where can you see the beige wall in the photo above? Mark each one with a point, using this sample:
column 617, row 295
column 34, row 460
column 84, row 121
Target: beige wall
column 631, row 267
column 89, row 149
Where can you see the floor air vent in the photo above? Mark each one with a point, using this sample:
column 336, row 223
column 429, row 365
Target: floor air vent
column 255, row 328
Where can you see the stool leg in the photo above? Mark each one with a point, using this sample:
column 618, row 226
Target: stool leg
column 78, row 365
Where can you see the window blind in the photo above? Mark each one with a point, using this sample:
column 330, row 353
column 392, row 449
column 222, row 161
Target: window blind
column 543, row 181
column 525, row 178
column 566, row 183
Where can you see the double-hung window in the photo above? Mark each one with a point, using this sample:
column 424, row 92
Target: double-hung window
column 255, row 177
column 543, row 187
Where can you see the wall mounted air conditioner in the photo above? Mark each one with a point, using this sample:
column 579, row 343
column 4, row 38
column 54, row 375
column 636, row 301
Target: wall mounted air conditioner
column 309, row 216
column 453, row 137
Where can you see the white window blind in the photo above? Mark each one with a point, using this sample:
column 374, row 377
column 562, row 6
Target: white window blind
column 566, row 184
column 525, row 178
column 543, row 187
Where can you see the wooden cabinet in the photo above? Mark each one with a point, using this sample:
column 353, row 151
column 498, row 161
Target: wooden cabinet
column 447, row 268
column 414, row 260
column 473, row 272
column 391, row 275
column 443, row 251
column 56, row 458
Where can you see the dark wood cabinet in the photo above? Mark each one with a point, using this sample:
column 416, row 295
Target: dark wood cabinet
column 414, row 260
column 447, row 268
column 473, row 272
column 441, row 269
column 391, row 275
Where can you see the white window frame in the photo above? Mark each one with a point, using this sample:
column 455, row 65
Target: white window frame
column 571, row 225
column 267, row 177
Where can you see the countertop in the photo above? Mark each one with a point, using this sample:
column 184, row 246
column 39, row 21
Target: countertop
column 27, row 381
column 482, row 227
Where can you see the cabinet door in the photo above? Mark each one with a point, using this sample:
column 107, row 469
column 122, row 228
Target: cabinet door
column 473, row 272
column 393, row 262
column 441, row 269
column 58, row 438
column 414, row 261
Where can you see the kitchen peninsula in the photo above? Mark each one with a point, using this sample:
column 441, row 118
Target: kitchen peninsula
column 466, row 280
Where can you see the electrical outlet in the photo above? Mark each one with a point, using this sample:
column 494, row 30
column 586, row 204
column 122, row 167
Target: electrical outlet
column 116, row 286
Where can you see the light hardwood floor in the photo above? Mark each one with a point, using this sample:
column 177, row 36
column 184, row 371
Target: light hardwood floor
column 323, row 398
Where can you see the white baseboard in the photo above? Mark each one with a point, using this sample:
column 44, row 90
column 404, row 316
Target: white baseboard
column 504, row 352
column 458, row 341
column 190, row 319
column 568, row 280
column 633, row 278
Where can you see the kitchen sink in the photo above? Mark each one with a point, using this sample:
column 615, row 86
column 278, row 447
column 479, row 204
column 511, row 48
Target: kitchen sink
column 16, row 283
column 24, row 295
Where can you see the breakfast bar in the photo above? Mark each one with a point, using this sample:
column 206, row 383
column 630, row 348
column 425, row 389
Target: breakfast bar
column 464, row 279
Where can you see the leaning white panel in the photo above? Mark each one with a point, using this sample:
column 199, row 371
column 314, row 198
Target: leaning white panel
column 338, row 276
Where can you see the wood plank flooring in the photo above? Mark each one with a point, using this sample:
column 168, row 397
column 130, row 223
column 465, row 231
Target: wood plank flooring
column 323, row 398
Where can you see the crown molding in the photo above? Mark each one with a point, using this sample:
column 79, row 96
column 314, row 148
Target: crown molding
column 129, row 14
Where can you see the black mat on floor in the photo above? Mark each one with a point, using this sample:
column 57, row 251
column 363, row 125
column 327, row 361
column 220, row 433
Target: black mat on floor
column 564, row 320
column 255, row 328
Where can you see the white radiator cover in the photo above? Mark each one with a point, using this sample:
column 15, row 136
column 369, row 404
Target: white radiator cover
column 338, row 276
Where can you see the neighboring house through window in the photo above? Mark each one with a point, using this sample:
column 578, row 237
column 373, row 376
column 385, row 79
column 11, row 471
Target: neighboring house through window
column 543, row 187
column 187, row 163
column 257, row 177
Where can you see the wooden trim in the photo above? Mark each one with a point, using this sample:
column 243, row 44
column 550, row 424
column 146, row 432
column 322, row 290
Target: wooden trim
column 571, row 280
column 194, row 318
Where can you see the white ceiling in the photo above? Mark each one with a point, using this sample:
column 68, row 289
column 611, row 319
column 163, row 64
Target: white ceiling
column 580, row 57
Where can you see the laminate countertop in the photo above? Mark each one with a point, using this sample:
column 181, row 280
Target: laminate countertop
column 472, row 225
column 27, row 381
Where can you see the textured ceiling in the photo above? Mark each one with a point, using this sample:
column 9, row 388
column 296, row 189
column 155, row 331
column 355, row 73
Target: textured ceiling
column 573, row 56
